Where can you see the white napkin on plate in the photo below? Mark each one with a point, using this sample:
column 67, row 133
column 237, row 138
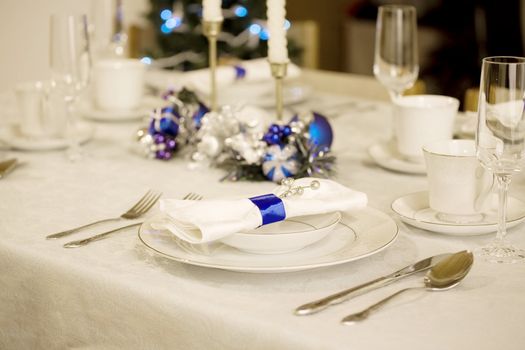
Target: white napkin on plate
column 210, row 220
column 256, row 70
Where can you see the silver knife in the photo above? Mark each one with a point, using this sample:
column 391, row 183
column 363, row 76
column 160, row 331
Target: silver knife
column 321, row 304
column 83, row 242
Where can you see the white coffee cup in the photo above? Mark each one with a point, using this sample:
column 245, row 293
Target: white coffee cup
column 459, row 187
column 41, row 109
column 421, row 119
column 118, row 84
column 32, row 108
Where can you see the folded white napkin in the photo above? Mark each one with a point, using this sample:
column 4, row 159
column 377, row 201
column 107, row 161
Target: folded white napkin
column 210, row 220
column 256, row 70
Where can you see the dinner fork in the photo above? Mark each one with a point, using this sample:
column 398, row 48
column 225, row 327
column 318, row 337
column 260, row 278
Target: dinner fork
column 141, row 207
column 75, row 244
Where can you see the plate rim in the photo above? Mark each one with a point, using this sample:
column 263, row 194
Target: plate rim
column 450, row 225
column 337, row 218
column 47, row 144
column 278, row 269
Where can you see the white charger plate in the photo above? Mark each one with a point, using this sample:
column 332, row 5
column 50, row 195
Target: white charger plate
column 414, row 210
column 284, row 236
column 359, row 234
column 13, row 137
column 386, row 156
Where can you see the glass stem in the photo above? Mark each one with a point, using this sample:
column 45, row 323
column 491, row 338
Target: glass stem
column 395, row 95
column 73, row 150
column 503, row 188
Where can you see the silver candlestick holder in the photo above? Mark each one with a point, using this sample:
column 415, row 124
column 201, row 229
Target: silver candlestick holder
column 279, row 70
column 211, row 31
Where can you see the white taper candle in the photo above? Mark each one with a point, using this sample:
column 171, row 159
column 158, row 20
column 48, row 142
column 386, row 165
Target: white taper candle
column 211, row 10
column 277, row 44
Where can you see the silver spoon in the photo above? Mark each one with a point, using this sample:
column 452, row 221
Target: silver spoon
column 444, row 275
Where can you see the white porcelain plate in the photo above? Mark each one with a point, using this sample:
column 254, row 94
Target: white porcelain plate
column 284, row 236
column 413, row 209
column 15, row 139
column 386, row 156
column 358, row 235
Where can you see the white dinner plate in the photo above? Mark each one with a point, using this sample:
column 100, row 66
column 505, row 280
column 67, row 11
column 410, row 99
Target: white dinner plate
column 386, row 156
column 414, row 210
column 12, row 136
column 284, row 236
column 359, row 234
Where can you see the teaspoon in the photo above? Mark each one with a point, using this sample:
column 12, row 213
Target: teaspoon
column 444, row 275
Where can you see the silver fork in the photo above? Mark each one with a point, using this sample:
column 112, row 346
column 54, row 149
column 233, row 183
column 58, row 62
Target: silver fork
column 141, row 207
column 82, row 242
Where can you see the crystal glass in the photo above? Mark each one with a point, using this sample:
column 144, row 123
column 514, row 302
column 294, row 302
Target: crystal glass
column 396, row 54
column 70, row 63
column 500, row 139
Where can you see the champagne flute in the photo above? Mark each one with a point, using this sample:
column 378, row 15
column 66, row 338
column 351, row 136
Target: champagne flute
column 396, row 54
column 500, row 139
column 70, row 62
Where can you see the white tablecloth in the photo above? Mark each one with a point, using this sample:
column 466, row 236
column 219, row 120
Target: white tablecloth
column 115, row 294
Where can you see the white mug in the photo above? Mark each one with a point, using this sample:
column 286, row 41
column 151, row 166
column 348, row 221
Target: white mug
column 459, row 187
column 118, row 84
column 421, row 119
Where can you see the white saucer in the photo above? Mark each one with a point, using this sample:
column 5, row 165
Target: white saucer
column 92, row 113
column 12, row 136
column 359, row 234
column 386, row 156
column 413, row 209
column 148, row 103
column 285, row 236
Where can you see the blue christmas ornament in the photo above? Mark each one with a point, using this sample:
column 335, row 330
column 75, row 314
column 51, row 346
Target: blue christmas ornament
column 320, row 130
column 197, row 116
column 277, row 134
column 280, row 162
column 166, row 124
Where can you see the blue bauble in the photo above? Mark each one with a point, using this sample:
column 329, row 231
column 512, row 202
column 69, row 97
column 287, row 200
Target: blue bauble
column 197, row 116
column 164, row 125
column 280, row 162
column 320, row 130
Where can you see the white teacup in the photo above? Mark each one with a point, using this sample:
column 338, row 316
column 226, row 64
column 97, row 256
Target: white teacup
column 41, row 110
column 32, row 108
column 118, row 84
column 421, row 119
column 458, row 186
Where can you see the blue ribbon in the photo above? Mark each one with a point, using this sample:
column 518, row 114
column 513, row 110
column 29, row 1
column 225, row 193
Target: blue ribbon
column 271, row 208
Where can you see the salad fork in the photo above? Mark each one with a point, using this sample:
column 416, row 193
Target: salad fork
column 141, row 207
column 75, row 244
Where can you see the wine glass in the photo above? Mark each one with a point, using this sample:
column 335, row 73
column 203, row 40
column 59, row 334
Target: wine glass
column 500, row 139
column 396, row 54
column 70, row 63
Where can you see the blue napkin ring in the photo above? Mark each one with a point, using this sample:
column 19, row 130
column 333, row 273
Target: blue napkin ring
column 271, row 208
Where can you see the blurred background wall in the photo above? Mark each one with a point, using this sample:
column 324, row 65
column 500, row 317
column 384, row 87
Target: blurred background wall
column 336, row 35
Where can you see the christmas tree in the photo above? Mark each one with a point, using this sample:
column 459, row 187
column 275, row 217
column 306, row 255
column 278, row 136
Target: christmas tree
column 178, row 32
